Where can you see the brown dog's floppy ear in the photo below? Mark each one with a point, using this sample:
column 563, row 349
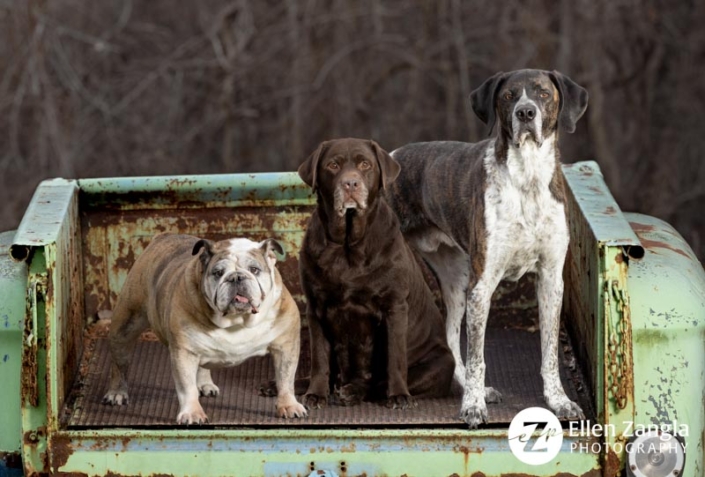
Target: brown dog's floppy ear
column 574, row 100
column 309, row 169
column 389, row 168
column 270, row 249
column 207, row 253
column 483, row 99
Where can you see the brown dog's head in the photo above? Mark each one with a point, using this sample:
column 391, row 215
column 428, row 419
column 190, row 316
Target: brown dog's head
column 348, row 174
column 529, row 104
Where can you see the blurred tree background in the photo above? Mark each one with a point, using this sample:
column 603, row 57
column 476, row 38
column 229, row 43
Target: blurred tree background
column 144, row 87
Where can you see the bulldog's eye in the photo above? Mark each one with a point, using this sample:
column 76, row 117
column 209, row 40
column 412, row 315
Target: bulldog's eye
column 218, row 273
column 255, row 271
column 333, row 166
column 364, row 165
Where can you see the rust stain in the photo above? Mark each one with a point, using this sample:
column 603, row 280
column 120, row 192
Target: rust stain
column 596, row 190
column 637, row 227
column 652, row 244
column 611, row 464
column 61, row 448
column 610, row 211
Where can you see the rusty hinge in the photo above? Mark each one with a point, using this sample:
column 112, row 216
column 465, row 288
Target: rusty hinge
column 618, row 342
column 30, row 344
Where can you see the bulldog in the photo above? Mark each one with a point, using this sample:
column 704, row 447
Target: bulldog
column 213, row 304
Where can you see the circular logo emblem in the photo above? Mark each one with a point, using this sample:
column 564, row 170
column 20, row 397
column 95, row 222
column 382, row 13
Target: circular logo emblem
column 535, row 436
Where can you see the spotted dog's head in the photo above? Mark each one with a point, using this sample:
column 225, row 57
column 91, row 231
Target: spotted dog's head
column 348, row 174
column 529, row 104
column 237, row 276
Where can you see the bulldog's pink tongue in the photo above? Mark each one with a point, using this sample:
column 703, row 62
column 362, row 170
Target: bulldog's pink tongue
column 242, row 299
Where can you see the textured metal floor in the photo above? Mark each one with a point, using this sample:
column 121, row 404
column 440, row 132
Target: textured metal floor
column 513, row 360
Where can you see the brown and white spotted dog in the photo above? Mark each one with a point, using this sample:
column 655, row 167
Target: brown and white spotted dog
column 484, row 212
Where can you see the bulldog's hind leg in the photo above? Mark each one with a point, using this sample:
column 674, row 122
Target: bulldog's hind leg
column 204, row 381
column 125, row 328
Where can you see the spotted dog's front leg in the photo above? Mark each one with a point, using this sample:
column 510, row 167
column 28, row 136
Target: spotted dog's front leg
column 474, row 408
column 550, row 296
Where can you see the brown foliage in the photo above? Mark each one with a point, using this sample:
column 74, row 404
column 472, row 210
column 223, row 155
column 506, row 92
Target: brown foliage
column 131, row 87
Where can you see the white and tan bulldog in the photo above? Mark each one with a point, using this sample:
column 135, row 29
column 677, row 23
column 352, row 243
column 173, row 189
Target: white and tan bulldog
column 213, row 304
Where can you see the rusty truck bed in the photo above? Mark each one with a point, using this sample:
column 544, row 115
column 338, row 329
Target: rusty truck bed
column 116, row 218
column 513, row 354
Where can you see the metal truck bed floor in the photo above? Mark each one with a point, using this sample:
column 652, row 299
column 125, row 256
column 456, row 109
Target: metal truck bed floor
column 513, row 361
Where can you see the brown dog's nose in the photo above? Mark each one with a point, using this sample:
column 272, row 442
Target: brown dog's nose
column 351, row 184
column 526, row 113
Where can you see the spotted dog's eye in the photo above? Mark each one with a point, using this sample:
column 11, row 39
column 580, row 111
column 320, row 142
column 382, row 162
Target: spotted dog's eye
column 255, row 271
column 508, row 95
column 364, row 165
column 544, row 94
column 333, row 166
column 217, row 273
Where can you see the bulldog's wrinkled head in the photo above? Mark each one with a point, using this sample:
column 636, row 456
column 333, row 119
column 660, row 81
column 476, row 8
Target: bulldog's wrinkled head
column 238, row 276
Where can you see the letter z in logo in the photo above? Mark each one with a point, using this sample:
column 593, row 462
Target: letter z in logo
column 535, row 436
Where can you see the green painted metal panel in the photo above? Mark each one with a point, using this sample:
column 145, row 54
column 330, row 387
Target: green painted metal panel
column 667, row 291
column 13, row 284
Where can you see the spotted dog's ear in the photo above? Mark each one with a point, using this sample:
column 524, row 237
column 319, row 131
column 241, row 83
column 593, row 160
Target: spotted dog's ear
column 207, row 252
column 389, row 168
column 483, row 99
column 574, row 100
column 308, row 171
column 269, row 247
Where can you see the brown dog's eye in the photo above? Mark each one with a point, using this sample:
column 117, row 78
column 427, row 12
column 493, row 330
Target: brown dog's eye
column 364, row 165
column 254, row 270
column 333, row 166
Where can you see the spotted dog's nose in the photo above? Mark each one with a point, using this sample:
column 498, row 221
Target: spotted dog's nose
column 525, row 113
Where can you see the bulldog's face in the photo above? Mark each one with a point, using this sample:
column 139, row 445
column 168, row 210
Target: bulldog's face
column 238, row 275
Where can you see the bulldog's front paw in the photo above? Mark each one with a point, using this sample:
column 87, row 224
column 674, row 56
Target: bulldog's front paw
column 192, row 416
column 474, row 414
column 401, row 402
column 289, row 408
column 350, row 394
column 208, row 389
column 116, row 398
column 315, row 401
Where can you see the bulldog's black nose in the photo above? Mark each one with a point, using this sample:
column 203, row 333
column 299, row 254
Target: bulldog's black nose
column 235, row 277
column 526, row 113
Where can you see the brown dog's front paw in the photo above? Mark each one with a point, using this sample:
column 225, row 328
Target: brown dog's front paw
column 350, row 394
column 402, row 401
column 315, row 401
column 268, row 389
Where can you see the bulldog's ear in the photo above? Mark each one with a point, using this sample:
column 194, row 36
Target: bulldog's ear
column 270, row 249
column 574, row 100
column 389, row 168
column 483, row 99
column 309, row 169
column 206, row 254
